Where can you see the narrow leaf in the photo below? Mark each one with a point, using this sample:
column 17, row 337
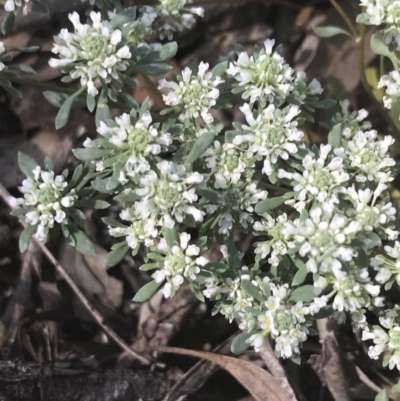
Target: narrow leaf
column 147, row 291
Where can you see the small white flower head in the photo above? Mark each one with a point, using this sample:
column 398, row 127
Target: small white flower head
column 276, row 245
column 324, row 239
column 239, row 203
column 45, row 201
column 388, row 266
column 392, row 84
column 323, row 178
column 264, row 76
column 225, row 163
column 271, row 136
column 96, row 51
column 368, row 156
column 135, row 140
column 138, row 232
column 15, row 5
column 193, row 95
column 175, row 16
column 351, row 122
column 181, row 262
column 169, row 195
column 371, row 214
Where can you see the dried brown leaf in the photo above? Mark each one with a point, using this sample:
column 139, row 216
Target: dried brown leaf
column 260, row 383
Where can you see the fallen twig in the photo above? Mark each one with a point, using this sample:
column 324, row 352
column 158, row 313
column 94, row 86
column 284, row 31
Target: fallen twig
column 5, row 195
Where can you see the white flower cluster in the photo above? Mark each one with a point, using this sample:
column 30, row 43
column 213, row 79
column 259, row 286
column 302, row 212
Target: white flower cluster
column 323, row 178
column 272, row 135
column 193, row 95
column 135, row 140
column 324, row 239
column 392, row 84
column 180, row 262
column 266, row 77
column 383, row 12
column 139, row 232
column 385, row 338
column 95, row 51
column 15, row 5
column 45, row 201
column 175, row 15
column 276, row 246
column 168, row 195
column 388, row 266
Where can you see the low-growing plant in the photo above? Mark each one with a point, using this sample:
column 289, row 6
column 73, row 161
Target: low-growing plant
column 326, row 229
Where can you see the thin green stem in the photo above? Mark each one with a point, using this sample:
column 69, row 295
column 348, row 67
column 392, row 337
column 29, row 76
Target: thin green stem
column 153, row 88
column 345, row 17
column 381, row 65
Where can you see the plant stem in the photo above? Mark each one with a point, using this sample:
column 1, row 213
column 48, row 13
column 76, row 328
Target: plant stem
column 346, row 19
column 153, row 88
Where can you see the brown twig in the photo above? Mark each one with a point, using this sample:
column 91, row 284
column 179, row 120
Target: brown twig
column 4, row 194
column 276, row 369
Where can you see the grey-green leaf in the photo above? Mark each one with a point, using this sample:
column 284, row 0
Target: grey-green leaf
column 83, row 243
column 330, row 31
column 239, row 343
column 379, row 47
column 269, row 204
column 168, row 50
column 25, row 237
column 115, row 256
column 65, row 110
column 252, row 290
column 305, row 293
column 147, row 291
column 200, row 146
column 26, row 164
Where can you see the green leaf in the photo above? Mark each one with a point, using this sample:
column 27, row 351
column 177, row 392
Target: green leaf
column 128, row 15
column 239, row 344
column 171, row 236
column 379, row 47
column 269, row 204
column 301, row 273
column 83, row 243
column 216, row 267
column 115, row 256
column 210, row 195
column 306, row 293
column 65, row 110
column 89, row 154
column 25, row 237
column 252, row 290
column 200, row 146
column 335, row 136
column 94, row 203
column 8, row 23
column 219, row 69
column 102, row 111
column 151, row 69
column 168, row 51
column 330, row 31
column 90, row 102
column 147, row 291
column 148, row 266
column 382, row 396
column 112, row 222
column 26, row 164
